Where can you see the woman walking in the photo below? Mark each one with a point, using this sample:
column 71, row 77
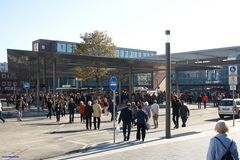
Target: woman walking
column 221, row 143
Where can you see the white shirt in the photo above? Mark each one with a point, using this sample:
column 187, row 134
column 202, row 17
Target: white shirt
column 155, row 108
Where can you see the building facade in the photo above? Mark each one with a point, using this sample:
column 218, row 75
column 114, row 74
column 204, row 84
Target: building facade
column 203, row 81
column 70, row 47
column 64, row 47
column 8, row 83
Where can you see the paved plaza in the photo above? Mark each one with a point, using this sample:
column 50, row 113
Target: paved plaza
column 37, row 137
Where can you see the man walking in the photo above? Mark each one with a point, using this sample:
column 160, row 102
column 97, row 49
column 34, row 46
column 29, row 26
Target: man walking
column 126, row 117
column 71, row 109
column 176, row 104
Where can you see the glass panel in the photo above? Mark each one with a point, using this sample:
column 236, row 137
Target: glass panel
column 135, row 54
column 74, row 48
column 226, row 103
column 61, row 47
column 143, row 79
column 69, row 48
column 126, row 55
column 117, row 53
column 139, row 54
column 121, row 53
column 35, row 47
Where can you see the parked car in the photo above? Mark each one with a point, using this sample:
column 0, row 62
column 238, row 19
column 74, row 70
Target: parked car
column 229, row 107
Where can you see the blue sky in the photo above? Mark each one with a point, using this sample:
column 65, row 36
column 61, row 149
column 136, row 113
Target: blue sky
column 141, row 24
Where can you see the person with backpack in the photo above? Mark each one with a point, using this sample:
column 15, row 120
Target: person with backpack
column 221, row 146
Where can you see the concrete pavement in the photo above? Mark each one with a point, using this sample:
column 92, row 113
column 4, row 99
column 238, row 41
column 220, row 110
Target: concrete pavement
column 185, row 144
column 40, row 138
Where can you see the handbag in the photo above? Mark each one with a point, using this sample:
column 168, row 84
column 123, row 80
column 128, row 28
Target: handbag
column 148, row 126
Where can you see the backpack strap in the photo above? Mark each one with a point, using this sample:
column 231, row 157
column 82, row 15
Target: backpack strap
column 230, row 145
column 224, row 145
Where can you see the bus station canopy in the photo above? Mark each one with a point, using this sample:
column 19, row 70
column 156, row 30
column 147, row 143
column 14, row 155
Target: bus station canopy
column 30, row 64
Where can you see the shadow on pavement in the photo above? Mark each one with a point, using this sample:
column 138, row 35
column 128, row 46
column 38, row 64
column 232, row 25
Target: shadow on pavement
column 212, row 120
column 216, row 119
column 35, row 119
column 184, row 134
column 44, row 124
column 100, row 148
column 107, row 146
column 64, row 132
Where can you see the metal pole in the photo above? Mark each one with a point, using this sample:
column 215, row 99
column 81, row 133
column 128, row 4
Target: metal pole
column 233, row 110
column 130, row 83
column 120, row 93
column 38, row 70
column 168, row 88
column 114, row 108
column 177, row 83
column 54, row 75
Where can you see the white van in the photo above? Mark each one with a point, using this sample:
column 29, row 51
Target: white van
column 227, row 106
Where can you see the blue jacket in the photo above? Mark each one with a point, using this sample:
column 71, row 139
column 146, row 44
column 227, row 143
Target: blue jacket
column 216, row 150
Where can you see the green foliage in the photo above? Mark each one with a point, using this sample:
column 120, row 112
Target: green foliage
column 94, row 44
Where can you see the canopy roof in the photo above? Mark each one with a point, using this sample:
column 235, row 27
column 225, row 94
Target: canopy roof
column 24, row 63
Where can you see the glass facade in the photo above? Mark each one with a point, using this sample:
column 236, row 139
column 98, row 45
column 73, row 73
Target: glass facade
column 63, row 47
column 202, row 80
column 142, row 79
column 133, row 53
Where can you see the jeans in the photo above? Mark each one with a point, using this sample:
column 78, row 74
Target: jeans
column 19, row 115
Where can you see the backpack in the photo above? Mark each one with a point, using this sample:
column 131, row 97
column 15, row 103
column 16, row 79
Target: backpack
column 228, row 155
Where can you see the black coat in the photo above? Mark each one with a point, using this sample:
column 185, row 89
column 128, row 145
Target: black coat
column 71, row 107
column 176, row 104
column 125, row 115
column 141, row 117
column 88, row 111
column 184, row 111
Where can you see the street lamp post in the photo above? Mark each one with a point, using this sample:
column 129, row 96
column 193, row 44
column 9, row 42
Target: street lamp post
column 168, row 86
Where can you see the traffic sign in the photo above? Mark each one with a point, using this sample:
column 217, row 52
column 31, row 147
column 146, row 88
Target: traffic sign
column 113, row 83
column 233, row 76
column 26, row 85
column 233, row 87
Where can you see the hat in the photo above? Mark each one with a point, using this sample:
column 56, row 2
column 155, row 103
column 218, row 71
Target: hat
column 89, row 103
